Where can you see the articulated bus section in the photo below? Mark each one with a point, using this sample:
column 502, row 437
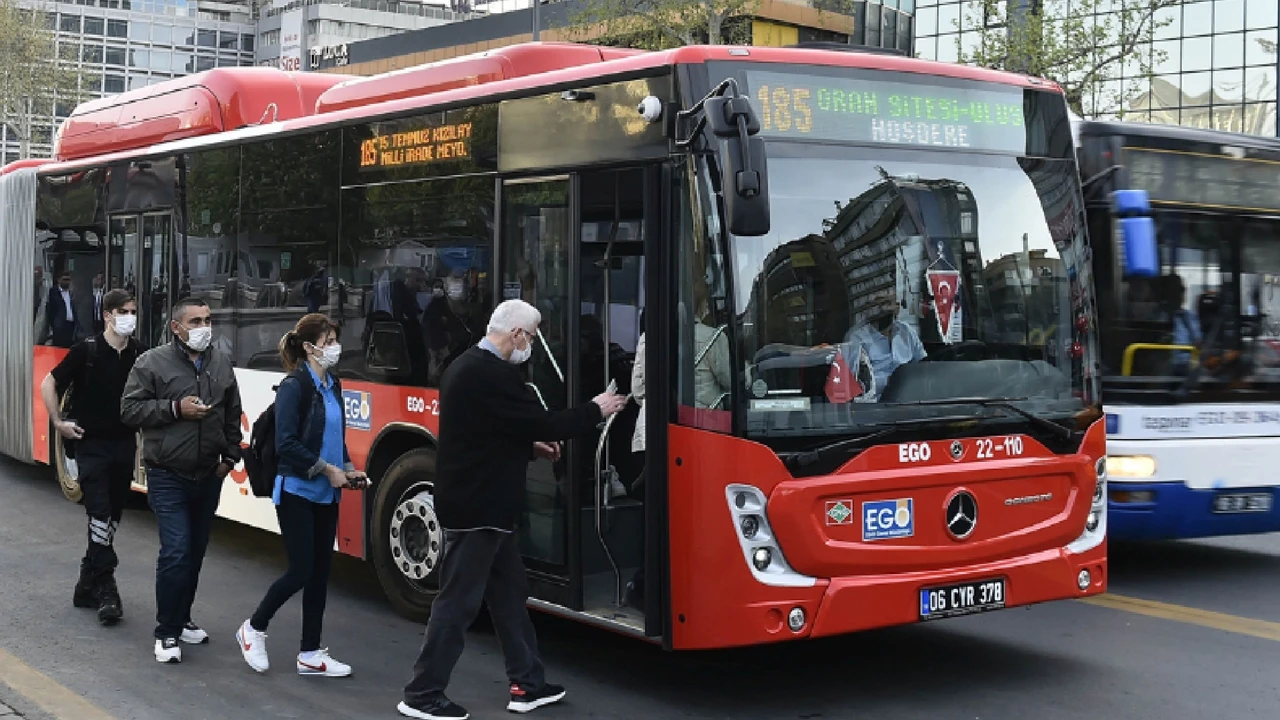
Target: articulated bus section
column 796, row 481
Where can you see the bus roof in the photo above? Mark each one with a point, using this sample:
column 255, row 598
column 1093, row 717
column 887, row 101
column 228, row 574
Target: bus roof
column 205, row 103
column 493, row 74
column 1180, row 133
column 17, row 165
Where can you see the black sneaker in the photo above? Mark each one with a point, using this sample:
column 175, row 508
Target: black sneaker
column 441, row 708
column 526, row 699
column 84, row 597
column 110, row 607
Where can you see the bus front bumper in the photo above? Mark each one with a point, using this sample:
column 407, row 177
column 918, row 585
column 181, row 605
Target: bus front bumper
column 851, row 604
column 1139, row 511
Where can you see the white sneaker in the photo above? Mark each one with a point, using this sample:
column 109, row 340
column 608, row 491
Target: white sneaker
column 193, row 635
column 168, row 651
column 318, row 662
column 253, row 645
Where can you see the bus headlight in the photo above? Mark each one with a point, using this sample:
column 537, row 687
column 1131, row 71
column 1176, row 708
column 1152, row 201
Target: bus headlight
column 1131, row 466
column 1095, row 523
column 760, row 548
column 761, row 558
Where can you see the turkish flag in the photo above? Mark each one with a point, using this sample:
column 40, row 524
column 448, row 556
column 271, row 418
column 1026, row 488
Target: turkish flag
column 944, row 285
column 841, row 387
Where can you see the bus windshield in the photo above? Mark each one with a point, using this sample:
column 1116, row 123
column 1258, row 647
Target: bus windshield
column 894, row 280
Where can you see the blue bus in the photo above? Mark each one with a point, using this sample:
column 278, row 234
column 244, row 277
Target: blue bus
column 1190, row 359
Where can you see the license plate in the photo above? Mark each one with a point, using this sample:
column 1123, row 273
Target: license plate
column 1242, row 503
column 962, row 599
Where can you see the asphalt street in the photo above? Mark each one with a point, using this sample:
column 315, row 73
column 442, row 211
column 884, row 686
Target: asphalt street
column 1191, row 630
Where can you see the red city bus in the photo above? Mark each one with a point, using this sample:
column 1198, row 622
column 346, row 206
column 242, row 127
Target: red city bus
column 849, row 421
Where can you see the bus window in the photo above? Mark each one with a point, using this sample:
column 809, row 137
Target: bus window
column 206, row 253
column 289, row 196
column 704, row 369
column 67, row 264
column 413, row 276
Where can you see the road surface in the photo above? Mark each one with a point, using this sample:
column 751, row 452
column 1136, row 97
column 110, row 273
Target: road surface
column 1189, row 631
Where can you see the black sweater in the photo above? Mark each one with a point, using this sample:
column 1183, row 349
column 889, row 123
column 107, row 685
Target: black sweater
column 489, row 420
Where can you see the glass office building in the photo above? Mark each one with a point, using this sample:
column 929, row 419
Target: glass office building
column 1218, row 69
column 127, row 44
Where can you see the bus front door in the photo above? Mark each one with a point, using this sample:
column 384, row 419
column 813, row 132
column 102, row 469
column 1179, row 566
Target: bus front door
column 138, row 260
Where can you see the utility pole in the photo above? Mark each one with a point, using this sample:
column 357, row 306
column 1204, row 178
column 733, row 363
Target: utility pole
column 536, row 20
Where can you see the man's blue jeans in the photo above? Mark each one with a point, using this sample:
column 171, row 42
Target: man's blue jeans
column 184, row 510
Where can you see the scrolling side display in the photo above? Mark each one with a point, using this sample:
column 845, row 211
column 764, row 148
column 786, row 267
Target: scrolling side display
column 895, row 111
column 417, row 146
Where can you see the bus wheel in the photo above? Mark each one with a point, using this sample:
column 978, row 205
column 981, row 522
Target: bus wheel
column 65, row 467
column 407, row 540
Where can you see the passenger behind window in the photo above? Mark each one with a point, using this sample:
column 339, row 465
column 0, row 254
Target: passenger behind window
column 712, row 372
column 888, row 342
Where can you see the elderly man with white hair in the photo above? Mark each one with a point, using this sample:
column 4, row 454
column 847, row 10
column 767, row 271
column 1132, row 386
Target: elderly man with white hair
column 491, row 427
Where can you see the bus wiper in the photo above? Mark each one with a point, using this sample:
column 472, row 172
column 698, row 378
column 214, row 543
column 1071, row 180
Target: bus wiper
column 1003, row 404
column 803, row 459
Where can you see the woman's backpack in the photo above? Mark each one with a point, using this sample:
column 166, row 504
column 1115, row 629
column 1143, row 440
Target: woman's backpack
column 261, row 462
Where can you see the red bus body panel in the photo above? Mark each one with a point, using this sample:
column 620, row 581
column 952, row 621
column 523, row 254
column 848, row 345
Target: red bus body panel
column 206, row 103
column 514, row 61
column 717, row 602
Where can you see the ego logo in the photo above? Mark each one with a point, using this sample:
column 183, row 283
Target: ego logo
column 887, row 519
column 358, row 407
column 914, row 452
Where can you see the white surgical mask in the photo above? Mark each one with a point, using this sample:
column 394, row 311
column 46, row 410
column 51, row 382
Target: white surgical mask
column 198, row 339
column 124, row 324
column 519, row 356
column 329, row 356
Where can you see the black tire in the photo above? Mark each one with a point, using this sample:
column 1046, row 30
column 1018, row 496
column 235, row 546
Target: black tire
column 67, row 480
column 406, row 539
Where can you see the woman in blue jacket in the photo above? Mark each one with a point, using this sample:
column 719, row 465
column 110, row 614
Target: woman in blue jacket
column 314, row 465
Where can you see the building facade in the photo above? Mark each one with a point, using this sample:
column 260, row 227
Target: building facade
column 303, row 34
column 127, row 44
column 880, row 24
column 1214, row 62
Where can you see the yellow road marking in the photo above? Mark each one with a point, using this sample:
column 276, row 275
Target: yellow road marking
column 1192, row 616
column 51, row 696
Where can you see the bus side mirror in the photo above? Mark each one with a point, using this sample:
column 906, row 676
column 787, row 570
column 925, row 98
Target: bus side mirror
column 1137, row 231
column 745, row 182
column 746, row 186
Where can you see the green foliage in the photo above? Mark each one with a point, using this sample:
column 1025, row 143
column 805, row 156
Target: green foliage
column 32, row 78
column 1085, row 46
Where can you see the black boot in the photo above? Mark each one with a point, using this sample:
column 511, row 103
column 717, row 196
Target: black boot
column 110, row 607
column 86, row 592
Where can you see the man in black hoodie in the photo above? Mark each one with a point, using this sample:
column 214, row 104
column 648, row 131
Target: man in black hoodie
column 491, row 427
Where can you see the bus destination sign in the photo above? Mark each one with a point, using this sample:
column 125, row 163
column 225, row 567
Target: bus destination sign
column 417, row 146
column 1206, row 180
column 860, row 110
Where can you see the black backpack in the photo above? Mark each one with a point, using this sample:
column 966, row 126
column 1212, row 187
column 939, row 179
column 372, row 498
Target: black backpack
column 260, row 460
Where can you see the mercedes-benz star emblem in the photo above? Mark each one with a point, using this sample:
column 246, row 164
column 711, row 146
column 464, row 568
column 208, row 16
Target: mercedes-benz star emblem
column 957, row 449
column 962, row 515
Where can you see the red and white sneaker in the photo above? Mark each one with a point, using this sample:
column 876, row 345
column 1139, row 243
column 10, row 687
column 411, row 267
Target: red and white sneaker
column 318, row 662
column 253, row 645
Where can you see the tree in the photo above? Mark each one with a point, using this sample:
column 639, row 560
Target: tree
column 661, row 24
column 1085, row 46
column 34, row 80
